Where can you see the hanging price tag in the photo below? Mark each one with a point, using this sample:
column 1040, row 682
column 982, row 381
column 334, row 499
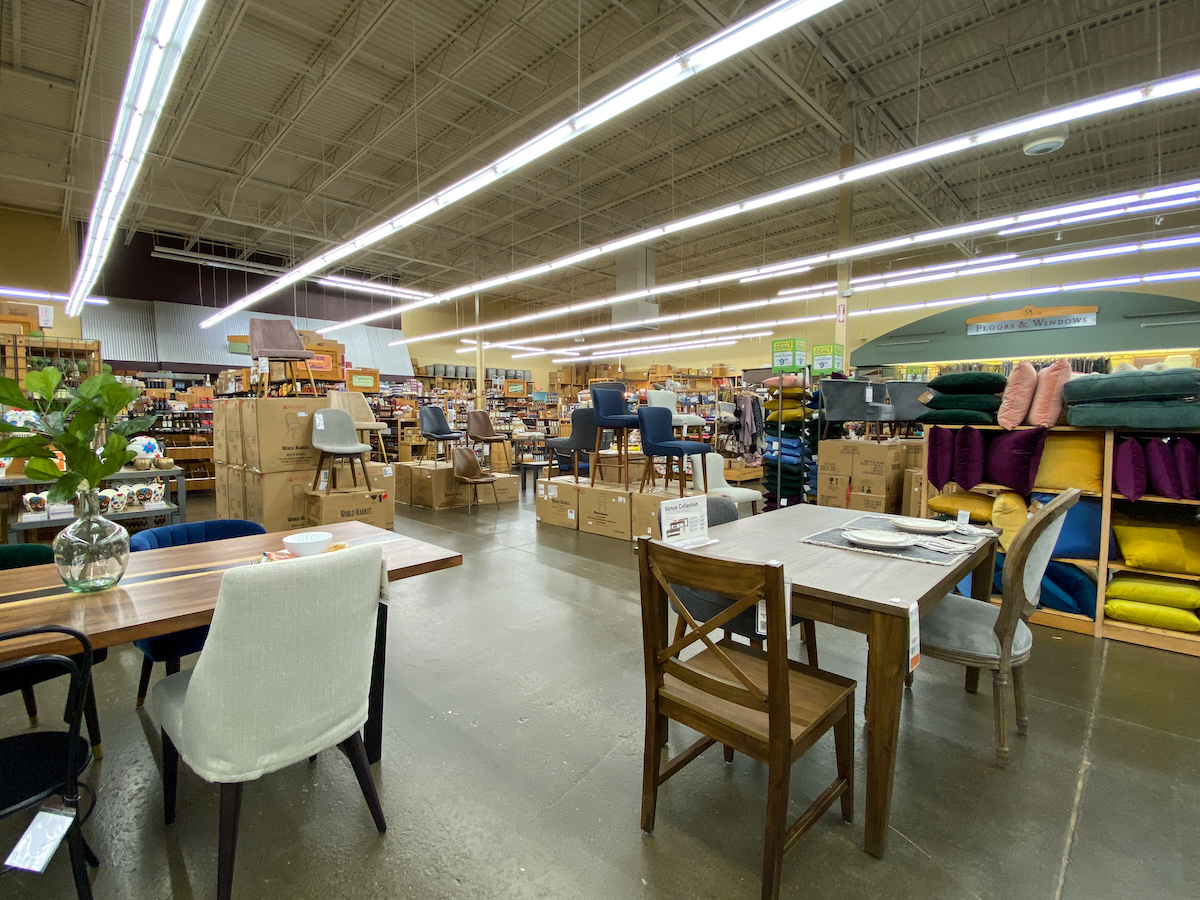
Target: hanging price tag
column 914, row 629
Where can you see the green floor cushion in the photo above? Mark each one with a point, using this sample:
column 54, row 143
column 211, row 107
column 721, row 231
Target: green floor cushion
column 1149, row 614
column 969, row 383
column 1158, row 591
column 1171, row 384
column 1136, row 414
column 956, row 417
column 982, row 402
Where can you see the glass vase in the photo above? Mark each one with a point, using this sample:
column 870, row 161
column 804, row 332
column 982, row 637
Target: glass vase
column 91, row 553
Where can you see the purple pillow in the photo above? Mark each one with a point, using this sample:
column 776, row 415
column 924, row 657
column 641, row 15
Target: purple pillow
column 939, row 468
column 1185, row 464
column 968, row 457
column 1129, row 468
column 1162, row 477
column 1013, row 457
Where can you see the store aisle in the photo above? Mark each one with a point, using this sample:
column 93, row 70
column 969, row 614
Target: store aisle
column 512, row 765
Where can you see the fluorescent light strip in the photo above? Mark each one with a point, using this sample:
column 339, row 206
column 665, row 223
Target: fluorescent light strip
column 745, row 33
column 26, row 294
column 1152, row 278
column 665, row 348
column 166, row 29
column 906, row 241
column 370, row 287
column 1144, row 93
column 1106, row 214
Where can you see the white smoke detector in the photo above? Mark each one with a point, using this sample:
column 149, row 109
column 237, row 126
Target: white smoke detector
column 1046, row 141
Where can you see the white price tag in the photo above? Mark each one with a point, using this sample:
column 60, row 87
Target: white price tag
column 760, row 624
column 914, row 630
column 964, row 517
column 318, row 421
column 41, row 839
column 264, row 365
column 870, row 394
column 685, row 521
column 45, row 316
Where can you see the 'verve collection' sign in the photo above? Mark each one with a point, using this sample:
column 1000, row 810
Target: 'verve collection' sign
column 1031, row 318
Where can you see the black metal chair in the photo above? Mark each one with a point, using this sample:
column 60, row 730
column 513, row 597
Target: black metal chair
column 37, row 765
column 582, row 439
column 435, row 429
column 20, row 556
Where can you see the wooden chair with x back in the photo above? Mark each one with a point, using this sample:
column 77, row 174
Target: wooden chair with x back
column 762, row 703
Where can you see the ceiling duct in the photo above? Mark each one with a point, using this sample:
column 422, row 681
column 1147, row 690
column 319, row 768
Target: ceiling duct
column 635, row 272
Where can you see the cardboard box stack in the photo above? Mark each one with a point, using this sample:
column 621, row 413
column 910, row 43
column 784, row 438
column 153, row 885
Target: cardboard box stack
column 866, row 475
column 557, row 501
column 605, row 509
column 644, row 511
column 434, row 487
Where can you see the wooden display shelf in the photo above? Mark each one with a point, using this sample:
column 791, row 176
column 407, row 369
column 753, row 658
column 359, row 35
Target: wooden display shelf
column 736, row 476
column 1119, row 566
column 1159, row 638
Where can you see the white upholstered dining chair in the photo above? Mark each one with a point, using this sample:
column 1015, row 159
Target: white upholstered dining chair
column 284, row 674
column 717, row 484
column 670, row 400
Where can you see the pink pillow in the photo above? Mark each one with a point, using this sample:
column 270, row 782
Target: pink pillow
column 1047, row 403
column 1018, row 395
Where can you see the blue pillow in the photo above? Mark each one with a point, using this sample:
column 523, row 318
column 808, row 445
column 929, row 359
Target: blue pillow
column 1080, row 537
column 1064, row 588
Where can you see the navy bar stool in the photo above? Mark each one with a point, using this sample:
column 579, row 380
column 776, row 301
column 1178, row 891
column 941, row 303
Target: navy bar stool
column 658, row 439
column 608, row 400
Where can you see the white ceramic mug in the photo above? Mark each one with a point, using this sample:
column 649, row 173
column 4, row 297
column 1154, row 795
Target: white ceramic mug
column 36, row 502
column 143, row 492
column 157, row 490
column 112, row 500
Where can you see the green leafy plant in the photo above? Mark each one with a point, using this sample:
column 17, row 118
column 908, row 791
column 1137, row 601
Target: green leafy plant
column 85, row 431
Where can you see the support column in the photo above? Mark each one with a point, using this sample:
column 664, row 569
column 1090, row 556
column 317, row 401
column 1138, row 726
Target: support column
column 480, row 380
column 845, row 232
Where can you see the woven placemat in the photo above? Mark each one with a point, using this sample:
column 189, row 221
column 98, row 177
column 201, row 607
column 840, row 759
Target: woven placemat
column 835, row 537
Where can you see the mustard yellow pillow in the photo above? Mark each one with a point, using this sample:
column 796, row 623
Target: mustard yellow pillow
column 790, row 415
column 979, row 506
column 791, row 393
column 1009, row 514
column 774, row 403
column 1160, row 547
column 1072, row 461
column 1159, row 591
column 1154, row 616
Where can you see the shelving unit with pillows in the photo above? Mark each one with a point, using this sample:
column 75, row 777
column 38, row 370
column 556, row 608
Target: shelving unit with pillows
column 1135, row 529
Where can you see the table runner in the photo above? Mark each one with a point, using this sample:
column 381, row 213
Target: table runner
column 835, row 537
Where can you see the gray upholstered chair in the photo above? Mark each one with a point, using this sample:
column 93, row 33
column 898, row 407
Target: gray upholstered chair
column 903, row 395
column 335, row 436
column 979, row 635
column 285, row 673
column 435, row 429
column 277, row 339
column 582, row 439
column 364, row 417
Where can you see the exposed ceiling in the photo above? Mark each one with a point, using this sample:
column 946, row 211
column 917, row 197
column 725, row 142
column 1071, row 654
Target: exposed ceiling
column 296, row 124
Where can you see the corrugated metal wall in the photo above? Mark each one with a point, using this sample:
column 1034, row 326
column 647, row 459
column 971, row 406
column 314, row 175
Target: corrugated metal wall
column 170, row 333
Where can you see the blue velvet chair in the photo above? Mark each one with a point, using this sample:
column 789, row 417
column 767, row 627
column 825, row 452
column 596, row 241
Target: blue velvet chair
column 18, row 556
column 608, row 400
column 658, row 439
column 170, row 648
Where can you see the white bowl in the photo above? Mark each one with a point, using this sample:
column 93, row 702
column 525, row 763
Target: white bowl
column 309, row 543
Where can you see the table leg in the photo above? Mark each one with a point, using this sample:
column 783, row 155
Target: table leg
column 181, row 495
column 982, row 575
column 523, row 478
column 373, row 730
column 887, row 664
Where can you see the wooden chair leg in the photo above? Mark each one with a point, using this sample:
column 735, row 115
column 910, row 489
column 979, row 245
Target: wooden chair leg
column 754, row 507
column 972, row 685
column 353, row 474
column 357, row 754
column 382, row 448
column 331, row 482
column 645, row 474
column 320, row 466
column 231, row 811
column 728, row 753
column 651, row 755
column 810, row 640
column 908, row 679
column 93, row 720
column 575, row 464
column 1000, row 704
column 778, row 784
column 144, row 680
column 313, row 385
column 170, row 758
column 843, row 745
column 30, row 705
column 679, row 466
column 595, row 464
column 704, row 470
column 1018, row 682
column 495, row 496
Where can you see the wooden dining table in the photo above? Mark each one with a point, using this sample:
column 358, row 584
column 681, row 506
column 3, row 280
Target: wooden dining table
column 174, row 588
column 864, row 592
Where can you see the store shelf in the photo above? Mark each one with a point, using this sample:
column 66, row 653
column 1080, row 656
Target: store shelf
column 1120, row 566
column 1159, row 638
column 16, row 524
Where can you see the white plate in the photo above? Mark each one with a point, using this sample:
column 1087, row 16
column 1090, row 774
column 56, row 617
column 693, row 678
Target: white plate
column 880, row 540
column 924, row 526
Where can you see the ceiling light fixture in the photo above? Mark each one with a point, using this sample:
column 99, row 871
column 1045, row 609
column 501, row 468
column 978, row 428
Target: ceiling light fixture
column 166, row 28
column 27, row 294
column 1154, row 90
column 940, row 235
column 745, row 33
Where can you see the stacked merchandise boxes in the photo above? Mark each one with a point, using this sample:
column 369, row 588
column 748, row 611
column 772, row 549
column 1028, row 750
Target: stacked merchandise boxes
column 866, row 475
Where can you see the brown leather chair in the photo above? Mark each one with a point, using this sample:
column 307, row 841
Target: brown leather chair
column 481, row 431
column 467, row 471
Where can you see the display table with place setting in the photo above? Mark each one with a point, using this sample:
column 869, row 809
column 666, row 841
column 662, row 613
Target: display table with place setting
column 872, row 590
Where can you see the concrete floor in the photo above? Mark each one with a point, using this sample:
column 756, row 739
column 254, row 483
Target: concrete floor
column 512, row 765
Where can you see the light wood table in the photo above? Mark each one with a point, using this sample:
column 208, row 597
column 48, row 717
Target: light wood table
column 176, row 587
column 851, row 590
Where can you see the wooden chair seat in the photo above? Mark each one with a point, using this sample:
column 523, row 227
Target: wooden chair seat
column 816, row 698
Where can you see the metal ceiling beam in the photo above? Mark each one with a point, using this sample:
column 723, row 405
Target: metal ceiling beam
column 87, row 65
column 356, row 26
